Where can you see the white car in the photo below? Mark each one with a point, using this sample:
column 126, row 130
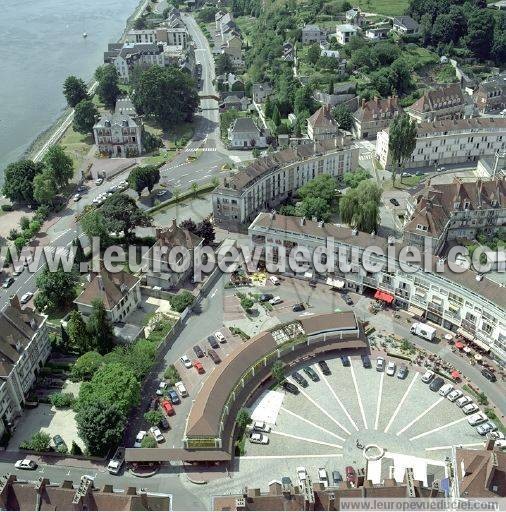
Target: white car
column 26, row 297
column 25, row 464
column 123, row 185
column 301, row 474
column 456, row 393
column 157, row 434
column 391, row 368
column 76, row 197
column 161, row 388
column 220, row 337
column 470, row 408
column 99, row 181
column 500, row 444
column 275, row 300
column 428, row 376
column 161, row 192
column 486, row 428
column 185, row 360
column 445, row 390
column 323, row 477
column 140, row 436
column 477, row 419
column 260, row 426
column 258, row 438
column 463, row 400
column 496, row 435
column 380, row 364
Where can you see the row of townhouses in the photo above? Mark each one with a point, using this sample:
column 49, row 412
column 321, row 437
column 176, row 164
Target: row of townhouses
column 24, row 348
column 465, row 303
column 269, row 180
column 228, row 38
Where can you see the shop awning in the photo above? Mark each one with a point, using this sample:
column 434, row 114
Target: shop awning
column 335, row 283
column 413, row 310
column 384, row 296
column 459, row 345
column 455, row 374
column 482, row 345
column 464, row 333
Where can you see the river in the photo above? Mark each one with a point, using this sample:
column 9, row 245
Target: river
column 42, row 44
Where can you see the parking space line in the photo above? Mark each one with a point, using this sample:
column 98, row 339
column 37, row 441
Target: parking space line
column 398, row 408
column 469, row 445
column 307, row 439
column 312, row 424
column 358, row 396
column 378, row 406
column 262, row 457
column 438, row 428
column 420, row 416
column 324, row 379
column 324, row 411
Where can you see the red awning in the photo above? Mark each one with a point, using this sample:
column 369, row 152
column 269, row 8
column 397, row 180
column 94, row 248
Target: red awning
column 459, row 345
column 455, row 374
column 384, row 296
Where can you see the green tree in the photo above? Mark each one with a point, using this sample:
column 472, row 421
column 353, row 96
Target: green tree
column 243, row 419
column 56, row 289
column 85, row 117
column 401, row 142
column 79, row 337
column 195, row 189
column 113, row 383
column 139, row 357
column 121, row 214
column 93, row 224
column 343, row 117
column 223, row 64
column 313, row 53
column 87, row 365
column 276, row 117
column 359, row 207
column 323, row 186
column 143, row 177
column 18, row 180
column 278, row 372
column 181, row 301
column 149, row 442
column 314, row 207
column 247, row 303
column 108, row 89
column 166, row 94
column 40, row 442
column 60, row 164
column 44, row 187
column 75, row 449
column 153, row 417
column 100, row 424
column 205, row 230
column 74, row 90
column 100, row 328
column 352, row 179
column 480, row 26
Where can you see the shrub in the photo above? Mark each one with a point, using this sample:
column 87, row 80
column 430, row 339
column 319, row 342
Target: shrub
column 62, row 400
column 75, row 449
column 39, row 442
column 181, row 301
column 7, row 208
column 42, row 213
column 171, row 375
column 153, row 417
column 24, row 222
column 149, row 442
column 62, row 448
column 20, row 242
column 13, row 234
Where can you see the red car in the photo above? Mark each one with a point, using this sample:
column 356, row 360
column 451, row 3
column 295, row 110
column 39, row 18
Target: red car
column 168, row 407
column 351, row 475
column 198, row 366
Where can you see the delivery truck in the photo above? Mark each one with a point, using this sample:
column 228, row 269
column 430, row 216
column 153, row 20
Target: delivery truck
column 423, row 330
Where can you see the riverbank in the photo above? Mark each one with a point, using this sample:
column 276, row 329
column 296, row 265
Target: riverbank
column 57, row 130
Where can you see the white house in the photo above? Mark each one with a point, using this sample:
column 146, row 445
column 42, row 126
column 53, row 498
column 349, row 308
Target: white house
column 345, row 32
column 245, row 134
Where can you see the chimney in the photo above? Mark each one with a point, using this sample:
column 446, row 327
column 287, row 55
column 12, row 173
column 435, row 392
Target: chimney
column 363, row 103
column 174, row 224
column 14, row 301
column 101, row 286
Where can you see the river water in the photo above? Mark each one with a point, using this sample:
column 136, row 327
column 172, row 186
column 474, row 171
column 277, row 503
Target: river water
column 41, row 44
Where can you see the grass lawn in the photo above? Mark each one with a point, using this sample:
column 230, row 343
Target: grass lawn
column 418, row 57
column 246, row 25
column 76, row 145
column 163, row 157
column 387, row 7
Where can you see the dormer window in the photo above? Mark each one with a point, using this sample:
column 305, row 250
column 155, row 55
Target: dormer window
column 466, row 205
column 456, row 205
column 420, row 227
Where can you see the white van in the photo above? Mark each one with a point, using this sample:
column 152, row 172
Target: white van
column 446, row 390
column 477, row 418
column 274, row 280
column 181, row 389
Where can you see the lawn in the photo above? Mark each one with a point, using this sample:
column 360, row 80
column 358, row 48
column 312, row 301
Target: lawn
column 163, row 156
column 246, row 25
column 76, row 145
column 387, row 7
column 418, row 57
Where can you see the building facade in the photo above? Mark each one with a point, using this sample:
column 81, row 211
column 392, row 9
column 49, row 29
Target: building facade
column 490, row 96
column 454, row 141
column 245, row 134
column 345, row 32
column 312, row 34
column 375, row 115
column 268, row 181
column 464, row 303
column 322, row 125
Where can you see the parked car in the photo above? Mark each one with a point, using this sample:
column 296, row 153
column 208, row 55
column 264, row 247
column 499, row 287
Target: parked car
column 380, row 364
column 456, row 393
column 59, row 442
column 311, row 373
column 286, row 481
column 291, row 388
column 477, row 418
column 345, row 360
column 258, row 438
column 470, row 408
column 394, row 201
column 157, row 434
column 301, row 475
column 25, row 464
column 99, row 181
column 298, row 307
column 391, row 367
column 488, row 375
column 496, row 435
column 220, row 337
column 164, row 424
column 139, row 437
column 323, row 477
column 76, row 197
column 275, row 300
column 313, row 283
column 215, row 358
column 260, row 426
column 402, row 373
column 161, row 388
column 485, row 428
column 463, row 401
column 167, row 407
column 336, row 477
column 324, row 367
column 297, row 377
column 274, row 280
column 26, row 297
column 446, row 390
column 351, row 475
column 366, row 362
column 198, row 351
column 8, row 282
column 198, row 366
column 428, row 376
column 173, row 397
column 212, row 341
column 347, row 299
column 436, row 384
column 185, row 360
column 181, row 389
column 266, row 297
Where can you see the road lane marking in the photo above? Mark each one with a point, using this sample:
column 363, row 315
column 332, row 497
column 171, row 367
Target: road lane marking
column 324, row 379
column 469, row 445
column 358, row 396
column 420, row 416
column 312, row 424
column 323, row 410
column 274, row 457
column 378, row 405
column 438, row 428
column 306, row 439
column 398, row 408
